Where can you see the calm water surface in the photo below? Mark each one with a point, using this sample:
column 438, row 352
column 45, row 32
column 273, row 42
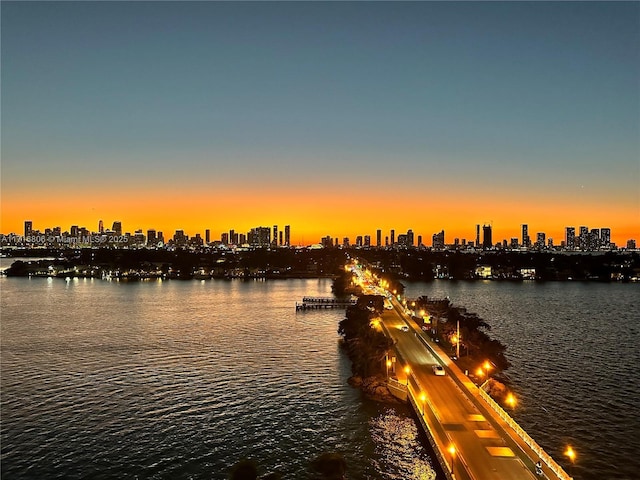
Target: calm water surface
column 181, row 380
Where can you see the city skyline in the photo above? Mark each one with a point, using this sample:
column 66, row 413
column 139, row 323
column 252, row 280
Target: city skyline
column 335, row 118
column 583, row 237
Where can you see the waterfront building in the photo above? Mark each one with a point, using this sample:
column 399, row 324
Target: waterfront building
column 540, row 240
column 287, row 235
column 631, row 244
column 605, row 237
column 260, row 236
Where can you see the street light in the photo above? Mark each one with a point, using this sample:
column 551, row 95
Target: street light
column 423, row 399
column 572, row 456
column 407, row 371
column 486, row 367
column 388, row 365
column 452, row 451
column 511, row 400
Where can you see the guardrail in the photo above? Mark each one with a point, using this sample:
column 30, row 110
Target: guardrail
column 526, row 438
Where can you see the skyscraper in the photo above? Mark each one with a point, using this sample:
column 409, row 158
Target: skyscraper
column 526, row 241
column 100, row 227
column 570, row 237
column 477, row 235
column 378, row 238
column 393, row 237
column 207, row 236
column 287, row 235
column 152, row 239
column 410, row 240
column 437, row 241
column 275, row 236
column 117, row 228
column 487, row 242
column 605, row 237
column 28, row 228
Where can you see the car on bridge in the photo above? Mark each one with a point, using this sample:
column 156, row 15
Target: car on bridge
column 404, row 328
column 438, row 370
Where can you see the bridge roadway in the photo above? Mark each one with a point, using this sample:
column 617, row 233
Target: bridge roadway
column 485, row 449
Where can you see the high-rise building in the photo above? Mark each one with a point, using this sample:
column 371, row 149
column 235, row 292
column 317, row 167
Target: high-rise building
column 393, row 237
column 179, row 238
column 275, row 236
column 160, row 237
column 260, row 236
column 583, row 239
column 75, row 231
column 526, row 241
column 540, row 240
column 410, row 240
column 487, row 242
column 28, row 228
column 419, row 240
column 570, row 237
column 207, row 236
column 152, row 238
column 280, row 233
column 378, row 238
column 477, row 235
column 287, row 235
column 437, row 241
column 605, row 237
column 367, row 240
column 514, row 242
column 100, row 227
column 345, row 242
column 359, row 241
column 224, row 238
column 117, row 228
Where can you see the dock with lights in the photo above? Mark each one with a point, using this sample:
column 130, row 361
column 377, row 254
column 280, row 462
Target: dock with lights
column 318, row 303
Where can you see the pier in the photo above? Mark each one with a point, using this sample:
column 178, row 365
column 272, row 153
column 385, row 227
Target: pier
column 318, row 303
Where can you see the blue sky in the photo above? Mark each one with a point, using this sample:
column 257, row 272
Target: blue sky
column 536, row 100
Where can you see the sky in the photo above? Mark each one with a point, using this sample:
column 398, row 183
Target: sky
column 336, row 118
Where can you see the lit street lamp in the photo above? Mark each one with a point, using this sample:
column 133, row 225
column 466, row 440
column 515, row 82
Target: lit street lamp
column 452, row 451
column 407, row 371
column 388, row 365
column 423, row 399
column 511, row 400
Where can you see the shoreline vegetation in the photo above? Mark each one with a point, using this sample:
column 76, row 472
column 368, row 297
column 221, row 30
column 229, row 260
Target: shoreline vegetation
column 281, row 263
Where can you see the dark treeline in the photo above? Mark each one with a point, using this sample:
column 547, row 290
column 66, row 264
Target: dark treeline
column 428, row 265
column 187, row 264
column 392, row 264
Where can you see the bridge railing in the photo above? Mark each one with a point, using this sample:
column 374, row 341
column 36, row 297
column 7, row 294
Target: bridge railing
column 533, row 445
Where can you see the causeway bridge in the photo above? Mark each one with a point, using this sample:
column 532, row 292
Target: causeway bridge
column 473, row 437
